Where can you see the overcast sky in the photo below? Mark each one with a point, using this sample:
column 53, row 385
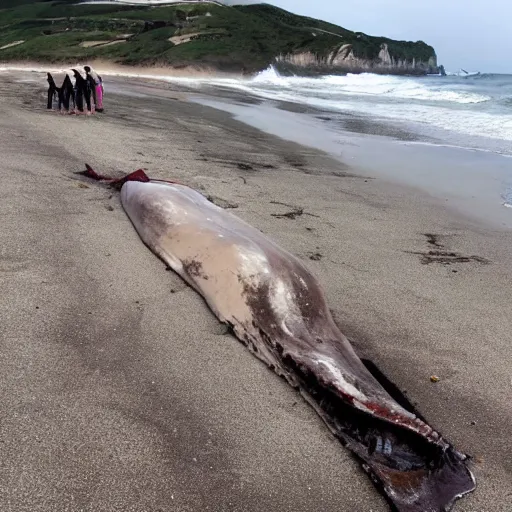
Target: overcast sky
column 472, row 34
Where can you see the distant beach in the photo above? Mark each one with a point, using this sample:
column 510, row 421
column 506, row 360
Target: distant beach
column 119, row 388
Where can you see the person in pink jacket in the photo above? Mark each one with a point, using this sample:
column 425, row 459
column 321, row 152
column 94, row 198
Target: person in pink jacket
column 97, row 90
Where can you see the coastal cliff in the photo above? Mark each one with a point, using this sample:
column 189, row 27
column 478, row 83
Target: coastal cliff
column 209, row 36
column 343, row 60
column 336, row 50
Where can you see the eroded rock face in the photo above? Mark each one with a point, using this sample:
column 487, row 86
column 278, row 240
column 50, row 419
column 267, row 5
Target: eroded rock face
column 343, row 60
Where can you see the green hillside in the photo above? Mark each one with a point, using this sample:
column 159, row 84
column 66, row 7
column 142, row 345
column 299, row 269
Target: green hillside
column 236, row 38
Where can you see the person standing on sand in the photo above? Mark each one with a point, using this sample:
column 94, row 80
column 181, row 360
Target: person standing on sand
column 52, row 91
column 96, row 87
column 91, row 90
column 81, row 93
column 68, row 91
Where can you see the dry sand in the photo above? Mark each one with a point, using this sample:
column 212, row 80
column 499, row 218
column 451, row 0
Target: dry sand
column 118, row 388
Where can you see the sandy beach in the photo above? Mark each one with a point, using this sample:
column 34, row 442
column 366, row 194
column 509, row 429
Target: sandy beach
column 119, row 390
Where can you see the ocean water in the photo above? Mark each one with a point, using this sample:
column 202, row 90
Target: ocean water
column 468, row 112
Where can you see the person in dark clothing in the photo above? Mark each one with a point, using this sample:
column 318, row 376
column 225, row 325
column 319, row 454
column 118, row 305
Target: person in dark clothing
column 81, row 92
column 91, row 89
column 67, row 93
column 53, row 91
column 87, row 95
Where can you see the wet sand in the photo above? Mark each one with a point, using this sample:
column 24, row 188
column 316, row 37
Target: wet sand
column 473, row 182
column 118, row 388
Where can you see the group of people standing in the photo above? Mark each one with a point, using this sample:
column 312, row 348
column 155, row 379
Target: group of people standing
column 81, row 91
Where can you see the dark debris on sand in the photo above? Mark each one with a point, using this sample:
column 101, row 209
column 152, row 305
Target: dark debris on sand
column 222, row 203
column 296, row 211
column 439, row 254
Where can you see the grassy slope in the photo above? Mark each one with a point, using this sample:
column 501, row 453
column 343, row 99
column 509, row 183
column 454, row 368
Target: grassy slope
column 242, row 37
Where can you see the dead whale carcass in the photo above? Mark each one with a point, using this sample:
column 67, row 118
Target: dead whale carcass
column 277, row 308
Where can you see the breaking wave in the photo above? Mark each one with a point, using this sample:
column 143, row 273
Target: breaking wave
column 477, row 107
column 368, row 84
column 508, row 199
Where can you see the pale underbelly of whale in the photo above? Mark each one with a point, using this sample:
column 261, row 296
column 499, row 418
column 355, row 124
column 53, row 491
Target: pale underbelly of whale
column 276, row 307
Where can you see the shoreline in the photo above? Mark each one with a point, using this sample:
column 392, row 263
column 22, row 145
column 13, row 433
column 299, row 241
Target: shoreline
column 354, row 140
column 465, row 188
column 418, row 289
column 226, row 85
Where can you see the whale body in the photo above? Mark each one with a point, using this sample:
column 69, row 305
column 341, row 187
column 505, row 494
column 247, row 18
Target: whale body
column 277, row 308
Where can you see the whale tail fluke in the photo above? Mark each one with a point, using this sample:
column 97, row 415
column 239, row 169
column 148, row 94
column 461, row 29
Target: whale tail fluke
column 91, row 173
column 138, row 175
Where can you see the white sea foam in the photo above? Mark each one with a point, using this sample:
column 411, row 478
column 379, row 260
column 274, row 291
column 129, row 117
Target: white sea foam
column 508, row 199
column 367, row 84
